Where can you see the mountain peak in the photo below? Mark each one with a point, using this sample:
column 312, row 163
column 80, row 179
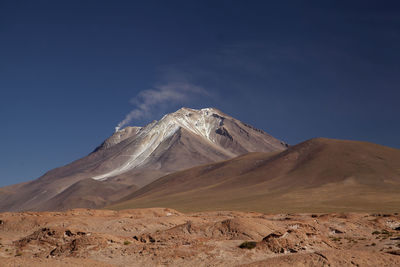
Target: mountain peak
column 224, row 135
column 200, row 122
column 203, row 111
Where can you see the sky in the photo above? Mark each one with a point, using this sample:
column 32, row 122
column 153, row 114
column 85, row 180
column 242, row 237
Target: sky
column 71, row 71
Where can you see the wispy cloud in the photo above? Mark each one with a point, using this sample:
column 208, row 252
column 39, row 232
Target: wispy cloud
column 166, row 94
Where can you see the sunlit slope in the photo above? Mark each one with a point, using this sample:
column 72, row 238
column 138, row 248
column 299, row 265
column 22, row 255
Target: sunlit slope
column 316, row 175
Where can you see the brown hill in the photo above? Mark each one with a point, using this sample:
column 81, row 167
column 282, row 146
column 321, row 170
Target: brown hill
column 316, row 175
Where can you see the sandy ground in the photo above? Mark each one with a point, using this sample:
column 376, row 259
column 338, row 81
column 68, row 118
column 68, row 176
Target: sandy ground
column 165, row 237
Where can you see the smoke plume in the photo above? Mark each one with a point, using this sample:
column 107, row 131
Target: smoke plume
column 167, row 94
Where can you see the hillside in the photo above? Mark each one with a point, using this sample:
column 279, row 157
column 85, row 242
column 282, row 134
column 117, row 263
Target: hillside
column 318, row 175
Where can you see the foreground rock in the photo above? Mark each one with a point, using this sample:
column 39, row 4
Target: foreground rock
column 148, row 237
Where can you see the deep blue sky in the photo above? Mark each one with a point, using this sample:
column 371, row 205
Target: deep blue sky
column 297, row 69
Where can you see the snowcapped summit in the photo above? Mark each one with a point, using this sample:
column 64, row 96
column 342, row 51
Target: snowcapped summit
column 200, row 122
column 208, row 133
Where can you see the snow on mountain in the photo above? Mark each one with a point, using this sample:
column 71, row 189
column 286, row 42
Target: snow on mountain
column 207, row 123
column 200, row 122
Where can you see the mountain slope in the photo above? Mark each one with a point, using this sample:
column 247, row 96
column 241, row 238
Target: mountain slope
column 88, row 193
column 135, row 156
column 316, row 175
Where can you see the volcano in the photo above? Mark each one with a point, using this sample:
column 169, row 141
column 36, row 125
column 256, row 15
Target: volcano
column 136, row 156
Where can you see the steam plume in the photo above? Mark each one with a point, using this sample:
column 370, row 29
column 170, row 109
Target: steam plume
column 167, row 94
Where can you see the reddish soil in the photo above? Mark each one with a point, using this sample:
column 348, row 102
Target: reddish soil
column 165, row 237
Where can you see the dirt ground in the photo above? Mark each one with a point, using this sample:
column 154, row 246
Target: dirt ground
column 165, row 237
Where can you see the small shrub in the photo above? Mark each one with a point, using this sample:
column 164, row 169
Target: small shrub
column 384, row 232
column 373, row 244
column 376, row 232
column 18, row 254
column 126, row 242
column 248, row 244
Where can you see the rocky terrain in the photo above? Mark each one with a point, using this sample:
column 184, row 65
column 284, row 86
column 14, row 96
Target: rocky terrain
column 166, row 237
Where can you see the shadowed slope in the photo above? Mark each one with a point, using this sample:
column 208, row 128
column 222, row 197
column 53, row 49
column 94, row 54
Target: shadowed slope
column 88, row 193
column 316, row 175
